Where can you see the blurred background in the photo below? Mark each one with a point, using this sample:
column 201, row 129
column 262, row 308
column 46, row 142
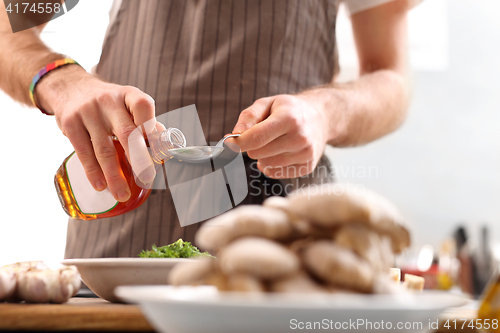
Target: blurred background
column 441, row 168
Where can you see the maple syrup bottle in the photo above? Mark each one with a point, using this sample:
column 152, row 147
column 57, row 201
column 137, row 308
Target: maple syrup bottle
column 81, row 201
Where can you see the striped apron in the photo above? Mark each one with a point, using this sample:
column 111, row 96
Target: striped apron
column 220, row 55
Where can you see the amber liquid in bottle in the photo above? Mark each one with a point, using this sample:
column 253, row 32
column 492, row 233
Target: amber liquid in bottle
column 81, row 201
column 137, row 197
column 489, row 310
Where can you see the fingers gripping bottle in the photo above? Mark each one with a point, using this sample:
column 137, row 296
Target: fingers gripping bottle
column 81, row 201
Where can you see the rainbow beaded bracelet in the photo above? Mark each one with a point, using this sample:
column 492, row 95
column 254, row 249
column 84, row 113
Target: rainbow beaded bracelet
column 44, row 71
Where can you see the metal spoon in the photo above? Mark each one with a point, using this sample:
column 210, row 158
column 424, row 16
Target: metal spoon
column 199, row 154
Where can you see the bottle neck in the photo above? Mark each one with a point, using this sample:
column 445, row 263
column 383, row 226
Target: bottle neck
column 160, row 143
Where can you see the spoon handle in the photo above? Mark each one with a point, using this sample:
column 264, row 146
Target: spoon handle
column 221, row 142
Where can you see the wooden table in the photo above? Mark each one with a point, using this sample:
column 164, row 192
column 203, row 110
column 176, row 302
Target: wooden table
column 93, row 314
column 79, row 314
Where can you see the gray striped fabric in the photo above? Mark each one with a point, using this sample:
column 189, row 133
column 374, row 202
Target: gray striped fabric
column 221, row 55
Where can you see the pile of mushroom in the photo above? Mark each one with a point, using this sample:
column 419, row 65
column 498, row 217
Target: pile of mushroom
column 34, row 282
column 321, row 239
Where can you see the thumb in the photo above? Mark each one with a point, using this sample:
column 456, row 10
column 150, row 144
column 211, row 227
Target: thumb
column 254, row 114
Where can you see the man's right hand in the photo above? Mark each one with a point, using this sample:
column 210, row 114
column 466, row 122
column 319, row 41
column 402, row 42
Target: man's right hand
column 89, row 112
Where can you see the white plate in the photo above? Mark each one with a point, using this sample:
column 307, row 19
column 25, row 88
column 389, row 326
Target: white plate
column 204, row 309
column 103, row 275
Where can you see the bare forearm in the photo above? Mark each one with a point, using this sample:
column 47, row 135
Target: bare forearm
column 22, row 55
column 363, row 110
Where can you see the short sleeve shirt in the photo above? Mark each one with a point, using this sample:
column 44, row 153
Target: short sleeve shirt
column 356, row 6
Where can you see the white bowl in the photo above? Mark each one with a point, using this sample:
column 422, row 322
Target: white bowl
column 103, row 275
column 204, row 309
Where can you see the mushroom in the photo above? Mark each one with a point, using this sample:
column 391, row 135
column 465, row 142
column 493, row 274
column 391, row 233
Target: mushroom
column 338, row 266
column 302, row 228
column 245, row 283
column 250, row 220
column 298, row 283
column 193, row 272
column 326, row 239
column 259, row 257
column 369, row 245
column 331, row 205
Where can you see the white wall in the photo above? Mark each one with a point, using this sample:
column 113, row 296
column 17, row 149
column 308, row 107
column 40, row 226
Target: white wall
column 441, row 167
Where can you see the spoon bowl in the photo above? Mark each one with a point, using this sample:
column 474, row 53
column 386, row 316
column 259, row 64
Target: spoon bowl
column 200, row 154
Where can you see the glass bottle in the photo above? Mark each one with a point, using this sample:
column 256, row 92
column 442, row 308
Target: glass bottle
column 81, row 201
column 489, row 311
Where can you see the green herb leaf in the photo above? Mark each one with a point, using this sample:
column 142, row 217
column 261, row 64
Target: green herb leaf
column 178, row 249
